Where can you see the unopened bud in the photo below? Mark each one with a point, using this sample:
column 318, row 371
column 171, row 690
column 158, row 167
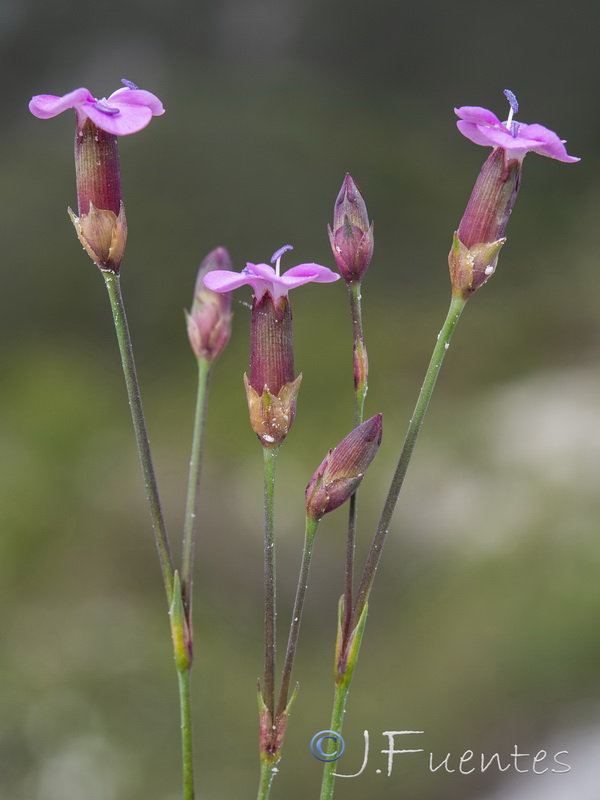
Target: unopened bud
column 180, row 630
column 352, row 235
column 481, row 233
column 209, row 320
column 343, row 469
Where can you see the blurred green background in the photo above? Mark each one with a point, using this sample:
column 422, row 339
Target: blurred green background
column 483, row 629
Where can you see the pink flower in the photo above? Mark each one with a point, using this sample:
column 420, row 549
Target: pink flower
column 263, row 278
column 127, row 110
column 516, row 138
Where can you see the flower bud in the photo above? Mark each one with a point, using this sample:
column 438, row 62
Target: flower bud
column 101, row 225
column 480, row 236
column 181, row 631
column 343, row 469
column 209, row 321
column 352, row 235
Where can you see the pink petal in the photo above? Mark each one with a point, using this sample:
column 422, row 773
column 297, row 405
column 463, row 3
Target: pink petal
column 130, row 119
column 545, row 142
column 487, row 136
column 45, row 106
column 137, row 97
column 222, row 280
column 477, row 115
column 311, row 272
column 263, row 271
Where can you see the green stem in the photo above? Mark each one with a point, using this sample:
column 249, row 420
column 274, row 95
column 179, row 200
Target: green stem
column 360, row 391
column 187, row 554
column 141, row 435
column 342, row 688
column 268, row 770
column 270, row 460
column 288, row 664
column 186, row 733
column 337, row 720
column 457, row 305
column 360, row 353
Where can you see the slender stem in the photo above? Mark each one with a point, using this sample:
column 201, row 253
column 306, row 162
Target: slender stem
column 349, row 578
column 360, row 391
column 270, row 459
column 360, row 353
column 443, row 342
column 268, row 770
column 342, row 688
column 337, row 720
column 186, row 733
column 288, row 664
column 187, row 554
column 141, row 435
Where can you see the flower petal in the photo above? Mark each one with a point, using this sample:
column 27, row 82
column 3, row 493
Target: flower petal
column 137, row 97
column 545, row 142
column 262, row 271
column 222, row 280
column 305, row 273
column 488, row 136
column 45, row 106
column 130, row 119
column 477, row 115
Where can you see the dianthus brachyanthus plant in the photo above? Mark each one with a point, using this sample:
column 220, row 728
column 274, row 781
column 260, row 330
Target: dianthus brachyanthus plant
column 272, row 386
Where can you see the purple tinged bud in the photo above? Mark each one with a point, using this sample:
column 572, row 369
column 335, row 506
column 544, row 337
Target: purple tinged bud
column 352, row 235
column 209, row 320
column 343, row 469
